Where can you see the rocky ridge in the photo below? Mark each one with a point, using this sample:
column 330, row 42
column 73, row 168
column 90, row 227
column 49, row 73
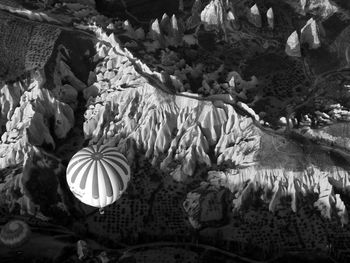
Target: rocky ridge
column 145, row 107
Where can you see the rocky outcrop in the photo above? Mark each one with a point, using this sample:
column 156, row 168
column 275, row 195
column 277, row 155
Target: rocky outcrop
column 213, row 15
column 206, row 206
column 324, row 8
column 270, row 18
column 183, row 110
column 254, row 16
column 176, row 131
column 180, row 132
column 9, row 99
column 195, row 18
column 310, row 34
column 278, row 182
column 31, row 123
column 293, row 45
column 330, row 137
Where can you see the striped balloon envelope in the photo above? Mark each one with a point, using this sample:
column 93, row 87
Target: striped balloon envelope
column 98, row 175
column 14, row 233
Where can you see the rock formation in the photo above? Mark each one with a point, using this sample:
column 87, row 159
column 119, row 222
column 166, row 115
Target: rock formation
column 195, row 17
column 227, row 137
column 270, row 18
column 199, row 124
column 324, row 8
column 213, row 15
column 309, row 34
column 28, row 126
column 293, row 45
column 206, row 206
column 254, row 16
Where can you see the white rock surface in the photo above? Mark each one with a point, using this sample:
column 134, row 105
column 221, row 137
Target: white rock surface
column 213, row 15
column 254, row 16
column 310, row 34
column 231, row 22
column 174, row 131
column 165, row 25
column 29, row 124
column 129, row 29
column 239, row 86
column 176, row 32
column 273, row 173
column 9, row 99
column 155, row 32
column 270, row 18
column 293, row 45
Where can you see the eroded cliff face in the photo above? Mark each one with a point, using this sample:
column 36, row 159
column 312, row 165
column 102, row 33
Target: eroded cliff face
column 171, row 129
column 30, row 124
column 214, row 134
column 214, row 137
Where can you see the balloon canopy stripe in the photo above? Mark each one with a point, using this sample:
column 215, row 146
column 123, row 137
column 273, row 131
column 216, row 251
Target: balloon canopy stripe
column 87, row 150
column 92, row 149
column 85, row 176
column 109, row 188
column 77, row 170
column 95, row 192
column 74, row 162
column 79, row 156
column 115, row 171
column 115, row 155
column 118, row 163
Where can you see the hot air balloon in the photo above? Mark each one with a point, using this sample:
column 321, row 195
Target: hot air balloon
column 14, row 233
column 98, row 175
